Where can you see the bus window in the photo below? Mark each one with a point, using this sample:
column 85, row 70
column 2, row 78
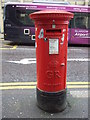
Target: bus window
column 89, row 21
column 23, row 17
column 6, row 12
column 81, row 20
column 71, row 24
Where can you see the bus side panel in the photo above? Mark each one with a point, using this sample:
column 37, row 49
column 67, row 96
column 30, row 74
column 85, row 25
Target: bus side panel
column 80, row 36
column 17, row 34
column 16, row 27
column 69, row 35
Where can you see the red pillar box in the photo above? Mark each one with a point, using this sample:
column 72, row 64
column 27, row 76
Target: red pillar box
column 51, row 28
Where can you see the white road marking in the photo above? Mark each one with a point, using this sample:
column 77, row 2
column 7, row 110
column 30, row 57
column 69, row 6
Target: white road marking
column 33, row 60
column 74, row 49
column 79, row 59
column 24, row 61
column 80, row 94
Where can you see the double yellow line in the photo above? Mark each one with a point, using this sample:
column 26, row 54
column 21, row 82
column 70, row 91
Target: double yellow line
column 32, row 85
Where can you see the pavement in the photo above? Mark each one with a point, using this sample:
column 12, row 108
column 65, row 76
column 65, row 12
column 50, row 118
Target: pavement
column 18, row 83
column 23, row 104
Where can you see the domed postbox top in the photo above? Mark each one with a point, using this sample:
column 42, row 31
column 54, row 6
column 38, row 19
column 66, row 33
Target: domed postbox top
column 51, row 14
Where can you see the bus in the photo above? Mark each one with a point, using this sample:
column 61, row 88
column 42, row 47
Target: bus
column 18, row 27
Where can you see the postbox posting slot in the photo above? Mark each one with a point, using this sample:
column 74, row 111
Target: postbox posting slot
column 53, row 31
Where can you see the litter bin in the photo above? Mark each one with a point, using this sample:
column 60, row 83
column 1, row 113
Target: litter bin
column 51, row 31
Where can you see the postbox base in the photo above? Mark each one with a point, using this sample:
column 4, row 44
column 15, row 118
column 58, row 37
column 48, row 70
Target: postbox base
column 51, row 101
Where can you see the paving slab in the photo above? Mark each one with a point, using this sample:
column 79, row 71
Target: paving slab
column 23, row 104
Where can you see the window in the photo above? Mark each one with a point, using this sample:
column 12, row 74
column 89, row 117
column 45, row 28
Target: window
column 81, row 20
column 71, row 23
column 23, row 17
column 89, row 21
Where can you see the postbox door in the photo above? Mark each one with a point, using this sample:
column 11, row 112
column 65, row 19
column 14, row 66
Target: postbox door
column 56, row 71
column 51, row 60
